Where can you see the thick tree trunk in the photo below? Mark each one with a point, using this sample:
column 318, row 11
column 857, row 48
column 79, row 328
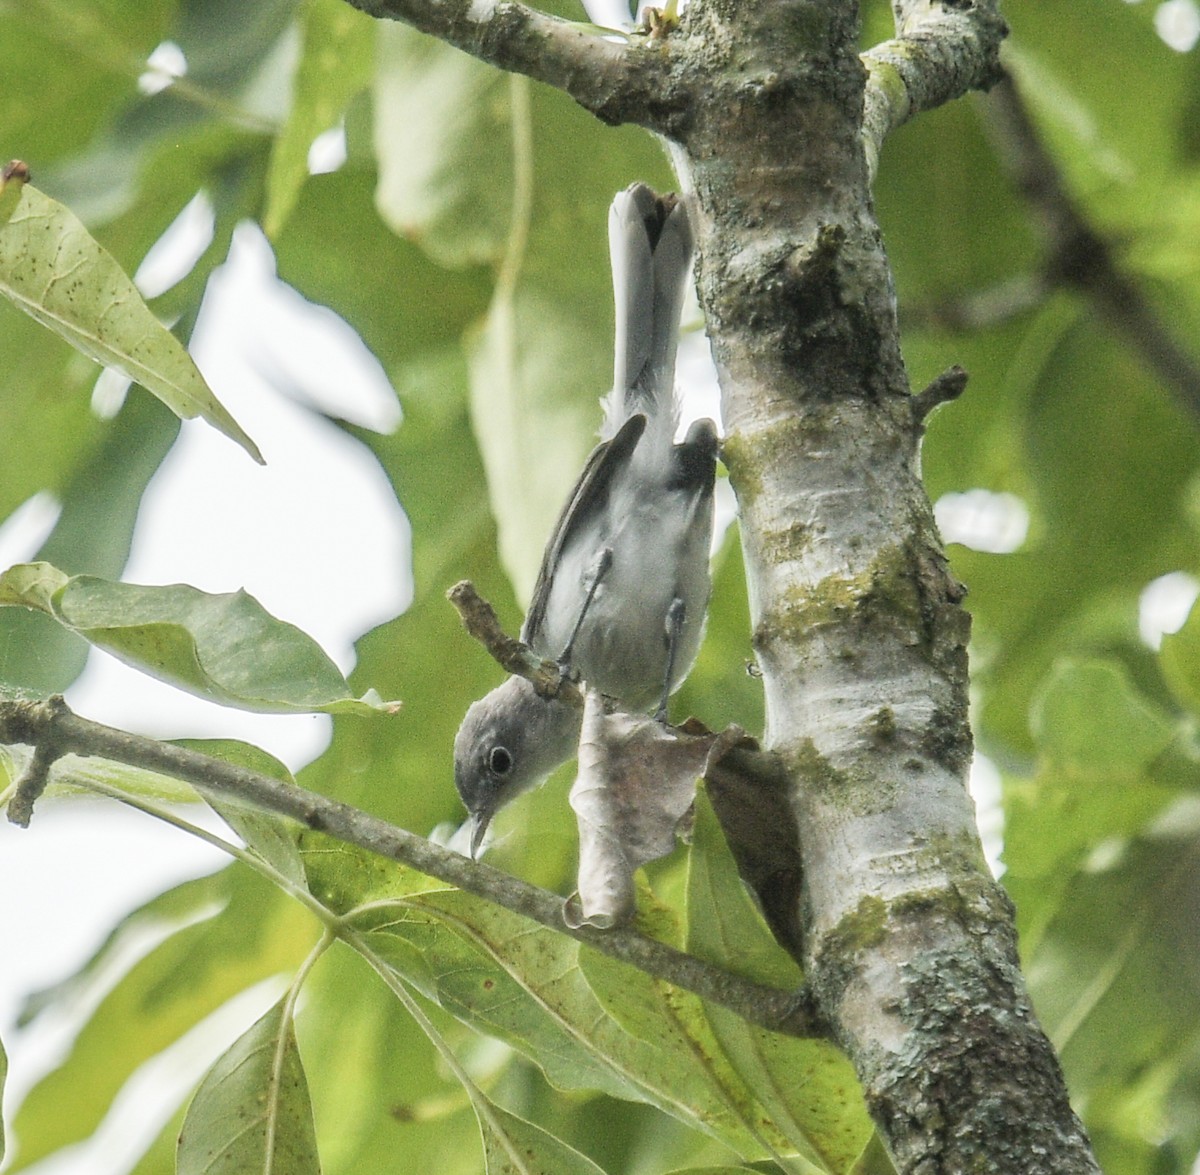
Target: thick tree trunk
column 858, row 625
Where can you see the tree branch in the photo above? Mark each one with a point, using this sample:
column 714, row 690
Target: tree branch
column 53, row 730
column 908, row 942
column 513, row 656
column 980, row 309
column 941, row 390
column 618, row 78
column 36, row 777
column 1078, row 257
column 941, row 51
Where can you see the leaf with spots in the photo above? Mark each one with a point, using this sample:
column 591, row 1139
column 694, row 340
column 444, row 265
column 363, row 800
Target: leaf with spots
column 513, row 1146
column 806, row 1088
column 52, row 268
column 252, row 1111
column 589, row 1022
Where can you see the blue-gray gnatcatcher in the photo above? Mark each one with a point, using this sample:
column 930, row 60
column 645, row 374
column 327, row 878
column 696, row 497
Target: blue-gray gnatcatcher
column 624, row 584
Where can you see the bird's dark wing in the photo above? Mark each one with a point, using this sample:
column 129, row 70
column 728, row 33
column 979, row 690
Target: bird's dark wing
column 591, row 491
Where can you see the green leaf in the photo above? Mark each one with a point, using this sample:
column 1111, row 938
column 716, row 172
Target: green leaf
column 513, row 1146
column 724, row 924
column 93, row 50
column 232, row 49
column 1108, row 759
column 375, row 1074
column 1180, row 661
column 443, row 140
column 241, row 754
column 53, row 269
column 663, row 1037
column 585, row 1020
column 32, row 585
column 807, row 1088
column 273, row 838
column 720, row 682
column 134, row 934
column 100, row 501
column 226, row 648
column 252, row 1111
column 336, row 62
column 450, row 948
column 979, row 251
column 248, row 933
column 874, row 1160
column 1109, row 149
column 47, row 429
column 1115, row 983
column 336, row 250
column 1089, row 721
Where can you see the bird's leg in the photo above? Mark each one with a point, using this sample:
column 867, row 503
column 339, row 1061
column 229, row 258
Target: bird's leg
column 596, row 573
column 675, row 617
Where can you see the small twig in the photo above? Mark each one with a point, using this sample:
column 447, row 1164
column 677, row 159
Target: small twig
column 940, row 52
column 941, row 390
column 1078, row 257
column 46, row 752
column 34, row 780
column 15, row 169
column 36, row 723
column 981, row 309
column 811, row 262
column 514, row 656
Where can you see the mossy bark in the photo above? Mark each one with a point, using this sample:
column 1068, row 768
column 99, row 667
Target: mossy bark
column 777, row 122
column 858, row 623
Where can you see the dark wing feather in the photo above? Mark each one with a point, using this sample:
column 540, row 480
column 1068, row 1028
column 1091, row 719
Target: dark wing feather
column 592, row 487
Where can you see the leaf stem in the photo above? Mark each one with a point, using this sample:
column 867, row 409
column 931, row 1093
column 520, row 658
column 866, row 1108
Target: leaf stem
column 479, row 1100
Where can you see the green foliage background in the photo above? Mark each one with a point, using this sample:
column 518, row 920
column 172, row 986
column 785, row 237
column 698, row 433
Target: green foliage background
column 461, row 241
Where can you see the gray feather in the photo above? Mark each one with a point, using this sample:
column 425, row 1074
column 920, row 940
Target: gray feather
column 650, row 243
column 642, row 503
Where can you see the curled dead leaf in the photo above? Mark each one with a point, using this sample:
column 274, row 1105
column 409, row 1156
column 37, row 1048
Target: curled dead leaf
column 632, row 798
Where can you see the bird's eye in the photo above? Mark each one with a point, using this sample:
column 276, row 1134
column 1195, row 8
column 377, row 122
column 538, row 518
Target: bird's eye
column 500, row 761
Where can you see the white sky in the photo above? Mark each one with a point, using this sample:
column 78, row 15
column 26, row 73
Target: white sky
column 316, row 535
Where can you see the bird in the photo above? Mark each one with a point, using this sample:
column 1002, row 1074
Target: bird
column 622, row 593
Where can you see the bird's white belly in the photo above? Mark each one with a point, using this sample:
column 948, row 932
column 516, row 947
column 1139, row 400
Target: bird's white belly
column 622, row 647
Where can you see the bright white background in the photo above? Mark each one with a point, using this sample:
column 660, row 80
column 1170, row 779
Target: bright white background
column 316, row 535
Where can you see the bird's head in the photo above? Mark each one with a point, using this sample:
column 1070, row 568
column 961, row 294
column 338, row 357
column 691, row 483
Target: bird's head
column 509, row 741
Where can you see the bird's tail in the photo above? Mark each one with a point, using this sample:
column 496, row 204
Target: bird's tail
column 650, row 241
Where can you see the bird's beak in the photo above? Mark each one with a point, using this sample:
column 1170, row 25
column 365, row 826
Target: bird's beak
column 479, row 826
